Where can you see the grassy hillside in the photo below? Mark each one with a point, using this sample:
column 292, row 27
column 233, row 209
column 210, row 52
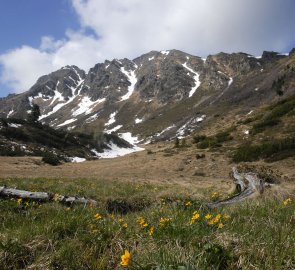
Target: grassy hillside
column 162, row 226
column 19, row 138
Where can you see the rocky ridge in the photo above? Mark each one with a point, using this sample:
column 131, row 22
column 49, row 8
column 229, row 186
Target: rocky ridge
column 158, row 95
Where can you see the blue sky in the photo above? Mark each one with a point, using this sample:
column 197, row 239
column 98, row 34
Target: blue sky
column 40, row 36
column 23, row 22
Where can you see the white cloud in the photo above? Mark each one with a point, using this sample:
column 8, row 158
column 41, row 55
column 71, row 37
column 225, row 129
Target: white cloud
column 131, row 27
column 23, row 66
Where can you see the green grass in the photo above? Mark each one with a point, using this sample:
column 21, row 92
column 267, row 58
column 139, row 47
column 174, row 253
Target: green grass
column 270, row 151
column 259, row 234
column 274, row 113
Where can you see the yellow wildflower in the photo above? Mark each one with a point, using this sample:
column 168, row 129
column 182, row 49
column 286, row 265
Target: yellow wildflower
column 121, row 220
column 216, row 218
column 125, row 225
column 111, row 216
column 151, row 230
column 145, row 225
column 226, row 217
column 211, row 222
column 19, row 201
column 140, row 221
column 220, row 225
column 188, row 203
column 195, row 217
column 125, row 258
column 163, row 221
column 287, row 201
column 97, row 216
column 208, row 216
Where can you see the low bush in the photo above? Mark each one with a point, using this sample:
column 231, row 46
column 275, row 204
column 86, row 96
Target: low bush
column 51, row 159
column 214, row 141
column 275, row 150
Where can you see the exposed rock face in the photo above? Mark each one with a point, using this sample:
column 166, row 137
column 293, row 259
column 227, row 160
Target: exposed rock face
column 151, row 93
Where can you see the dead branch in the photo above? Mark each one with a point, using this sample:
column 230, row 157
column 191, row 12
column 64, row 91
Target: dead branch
column 247, row 184
column 43, row 196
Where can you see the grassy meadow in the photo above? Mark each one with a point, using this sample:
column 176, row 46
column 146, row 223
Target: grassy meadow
column 143, row 226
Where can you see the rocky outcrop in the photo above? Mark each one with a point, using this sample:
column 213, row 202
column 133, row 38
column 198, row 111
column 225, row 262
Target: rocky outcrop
column 150, row 93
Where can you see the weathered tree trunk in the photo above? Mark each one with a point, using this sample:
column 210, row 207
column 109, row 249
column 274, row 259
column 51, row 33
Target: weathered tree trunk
column 246, row 185
column 43, row 196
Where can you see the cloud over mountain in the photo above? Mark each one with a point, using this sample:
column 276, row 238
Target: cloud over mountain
column 131, row 27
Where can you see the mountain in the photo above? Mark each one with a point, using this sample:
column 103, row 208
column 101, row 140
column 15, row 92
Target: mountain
column 157, row 96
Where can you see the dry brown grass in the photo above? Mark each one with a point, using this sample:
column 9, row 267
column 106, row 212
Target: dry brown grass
column 163, row 165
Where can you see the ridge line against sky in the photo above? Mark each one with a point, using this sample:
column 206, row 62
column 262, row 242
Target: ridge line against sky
column 43, row 36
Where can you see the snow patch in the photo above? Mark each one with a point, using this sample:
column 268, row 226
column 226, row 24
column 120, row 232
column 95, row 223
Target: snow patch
column 86, row 105
column 246, row 132
column 127, row 136
column 137, row 120
column 196, row 78
column 77, row 159
column 165, row 52
column 164, row 130
column 193, row 121
column 116, row 151
column 112, row 119
column 132, row 79
column 67, row 122
column 10, row 113
column 149, row 100
column 92, row 118
column 250, row 112
column 256, row 89
column 14, row 125
column 109, row 131
column 230, row 79
column 151, row 58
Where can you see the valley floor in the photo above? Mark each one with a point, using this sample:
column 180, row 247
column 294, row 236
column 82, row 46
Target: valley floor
column 152, row 204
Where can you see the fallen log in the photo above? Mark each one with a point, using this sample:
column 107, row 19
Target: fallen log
column 43, row 196
column 247, row 184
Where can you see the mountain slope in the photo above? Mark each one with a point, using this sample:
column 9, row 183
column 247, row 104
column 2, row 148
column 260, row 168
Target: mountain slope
column 20, row 137
column 158, row 95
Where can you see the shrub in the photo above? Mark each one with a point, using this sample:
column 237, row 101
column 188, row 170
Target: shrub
column 51, row 159
column 275, row 150
column 176, row 143
column 216, row 140
column 198, row 138
column 264, row 124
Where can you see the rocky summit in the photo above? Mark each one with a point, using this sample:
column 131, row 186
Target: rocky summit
column 159, row 95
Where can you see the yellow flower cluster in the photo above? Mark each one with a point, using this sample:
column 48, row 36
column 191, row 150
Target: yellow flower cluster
column 287, row 201
column 217, row 220
column 141, row 221
column 125, row 258
column 195, row 217
column 164, row 221
column 151, row 230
